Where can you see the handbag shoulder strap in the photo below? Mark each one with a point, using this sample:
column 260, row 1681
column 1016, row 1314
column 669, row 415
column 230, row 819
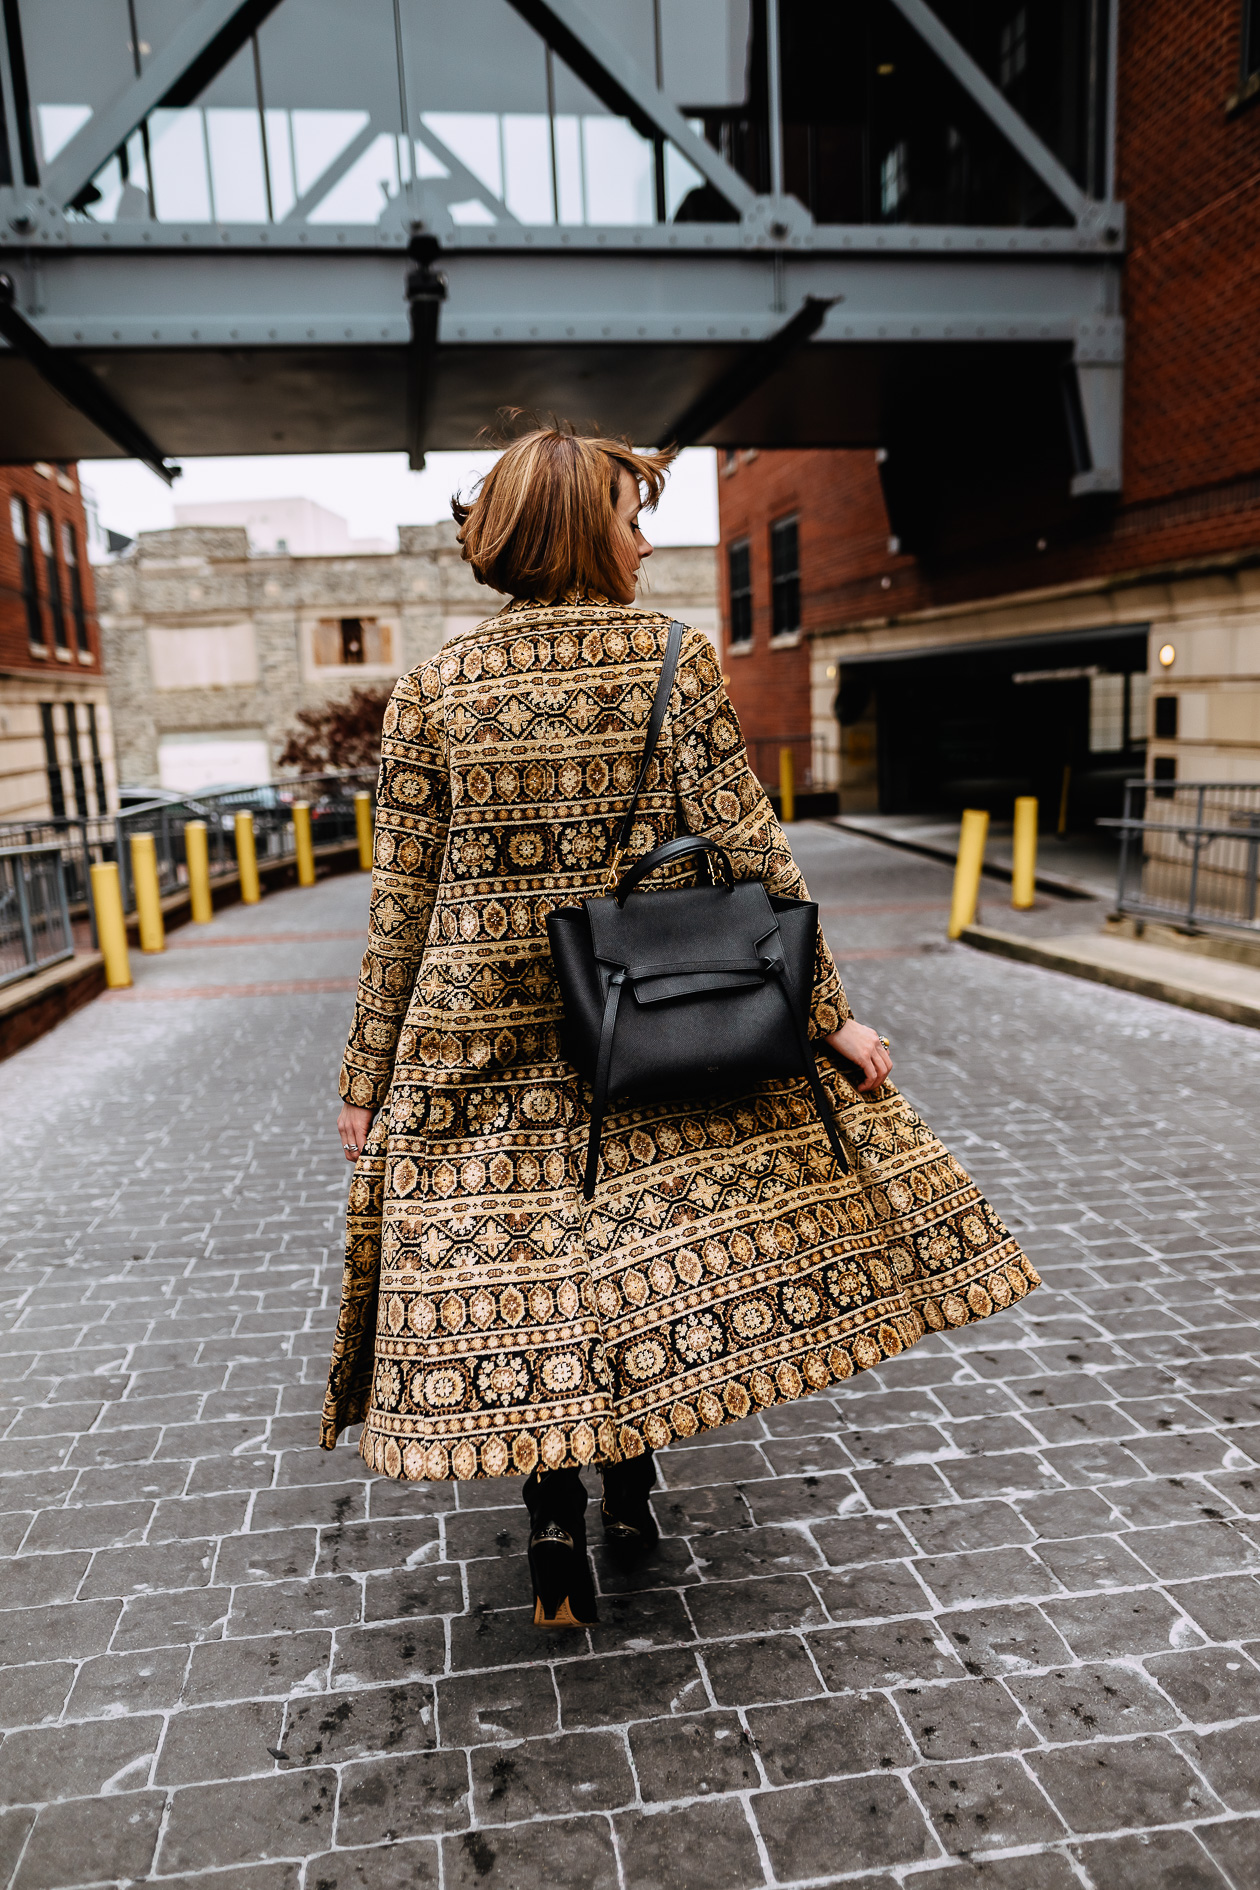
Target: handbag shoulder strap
column 656, row 721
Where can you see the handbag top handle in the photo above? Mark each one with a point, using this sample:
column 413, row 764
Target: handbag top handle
column 656, row 721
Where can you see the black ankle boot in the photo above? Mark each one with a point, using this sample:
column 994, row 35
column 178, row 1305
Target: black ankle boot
column 564, row 1594
column 630, row 1530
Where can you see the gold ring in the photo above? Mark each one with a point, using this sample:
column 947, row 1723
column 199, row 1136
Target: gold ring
column 885, row 1043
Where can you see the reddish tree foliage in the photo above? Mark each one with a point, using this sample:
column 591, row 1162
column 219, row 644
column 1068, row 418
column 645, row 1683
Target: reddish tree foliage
column 344, row 734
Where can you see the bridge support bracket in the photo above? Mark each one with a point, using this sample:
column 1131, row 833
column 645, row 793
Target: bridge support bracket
column 426, row 292
column 1094, row 400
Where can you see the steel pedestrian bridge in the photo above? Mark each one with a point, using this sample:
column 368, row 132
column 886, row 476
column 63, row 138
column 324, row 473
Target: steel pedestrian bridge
column 248, row 226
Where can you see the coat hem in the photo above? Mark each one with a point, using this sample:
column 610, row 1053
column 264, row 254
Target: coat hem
column 609, row 1438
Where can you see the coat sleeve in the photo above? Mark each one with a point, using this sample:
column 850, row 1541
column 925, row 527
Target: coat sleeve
column 722, row 798
column 412, row 816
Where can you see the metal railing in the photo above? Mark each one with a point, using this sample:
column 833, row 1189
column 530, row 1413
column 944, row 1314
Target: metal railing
column 1189, row 853
column 813, row 766
column 86, row 841
column 35, row 929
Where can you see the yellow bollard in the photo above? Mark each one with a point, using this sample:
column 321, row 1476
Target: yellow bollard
column 975, row 831
column 144, row 877
column 363, row 822
column 1024, row 874
column 197, row 857
column 111, row 927
column 787, row 786
column 247, row 859
column 302, row 845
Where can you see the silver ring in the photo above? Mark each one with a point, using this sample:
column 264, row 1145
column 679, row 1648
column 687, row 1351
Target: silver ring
column 346, row 1149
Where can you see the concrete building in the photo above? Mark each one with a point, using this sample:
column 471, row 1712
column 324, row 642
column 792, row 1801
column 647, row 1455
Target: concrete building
column 56, row 741
column 948, row 637
column 212, row 650
column 299, row 526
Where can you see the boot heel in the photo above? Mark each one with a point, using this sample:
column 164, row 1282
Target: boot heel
column 564, row 1594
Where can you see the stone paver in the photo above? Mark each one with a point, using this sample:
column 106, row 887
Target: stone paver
column 988, row 1618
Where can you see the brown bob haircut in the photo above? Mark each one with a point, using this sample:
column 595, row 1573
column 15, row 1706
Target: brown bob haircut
column 544, row 520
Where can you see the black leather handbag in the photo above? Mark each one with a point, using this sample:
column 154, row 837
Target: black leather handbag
column 686, row 991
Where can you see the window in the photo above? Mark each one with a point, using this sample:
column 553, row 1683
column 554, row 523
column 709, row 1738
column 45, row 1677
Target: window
column 76, row 761
column 346, row 642
column 1106, row 714
column 785, row 578
column 20, row 519
column 98, row 766
column 1166, row 718
column 56, row 792
column 203, row 656
column 1013, row 49
column 70, row 552
column 1164, row 768
column 52, row 584
column 894, row 179
column 1251, row 41
column 1139, row 704
column 739, row 570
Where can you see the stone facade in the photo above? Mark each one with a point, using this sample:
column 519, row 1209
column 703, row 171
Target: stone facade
column 212, row 650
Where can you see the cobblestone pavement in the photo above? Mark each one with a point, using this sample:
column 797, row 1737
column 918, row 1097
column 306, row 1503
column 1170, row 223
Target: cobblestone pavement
column 988, row 1617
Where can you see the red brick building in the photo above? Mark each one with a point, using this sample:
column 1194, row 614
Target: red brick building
column 56, row 747
column 940, row 615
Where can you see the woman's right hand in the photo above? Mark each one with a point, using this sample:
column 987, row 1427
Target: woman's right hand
column 354, row 1126
column 865, row 1047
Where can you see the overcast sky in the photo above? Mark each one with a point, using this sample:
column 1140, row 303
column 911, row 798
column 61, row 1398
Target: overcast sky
column 373, row 492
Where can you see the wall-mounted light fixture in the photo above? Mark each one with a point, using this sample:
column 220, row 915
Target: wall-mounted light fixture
column 1167, row 656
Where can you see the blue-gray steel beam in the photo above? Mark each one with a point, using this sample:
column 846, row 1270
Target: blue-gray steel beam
column 197, row 49
column 46, row 228
column 108, row 296
column 1016, row 130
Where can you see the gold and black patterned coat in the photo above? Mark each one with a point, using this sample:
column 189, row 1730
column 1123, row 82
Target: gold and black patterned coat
column 491, row 1319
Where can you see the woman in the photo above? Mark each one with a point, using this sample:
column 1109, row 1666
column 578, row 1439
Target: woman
column 492, row 1320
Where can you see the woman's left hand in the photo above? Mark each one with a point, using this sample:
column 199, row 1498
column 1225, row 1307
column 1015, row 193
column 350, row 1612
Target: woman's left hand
column 865, row 1047
column 353, row 1126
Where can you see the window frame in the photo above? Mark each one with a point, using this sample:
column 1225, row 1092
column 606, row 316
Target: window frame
column 52, row 760
column 98, row 761
column 46, row 529
column 739, row 547
column 74, row 571
column 20, row 526
column 785, row 583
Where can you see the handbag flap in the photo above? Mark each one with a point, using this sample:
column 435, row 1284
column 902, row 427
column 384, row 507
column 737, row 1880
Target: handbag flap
column 654, row 990
column 688, row 930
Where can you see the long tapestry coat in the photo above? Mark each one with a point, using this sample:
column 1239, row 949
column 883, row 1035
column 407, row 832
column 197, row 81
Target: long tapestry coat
column 491, row 1319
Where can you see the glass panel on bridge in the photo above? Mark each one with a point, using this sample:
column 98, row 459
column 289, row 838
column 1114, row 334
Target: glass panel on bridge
column 306, row 122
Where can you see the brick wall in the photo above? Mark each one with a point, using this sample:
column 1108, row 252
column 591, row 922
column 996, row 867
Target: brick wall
column 844, row 549
column 56, row 740
column 1189, row 173
column 54, row 491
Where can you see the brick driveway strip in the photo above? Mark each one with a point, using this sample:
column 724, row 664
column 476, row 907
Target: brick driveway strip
column 990, row 1617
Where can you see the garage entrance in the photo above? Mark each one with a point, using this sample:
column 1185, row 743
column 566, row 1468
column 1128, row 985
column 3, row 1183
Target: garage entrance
column 1060, row 717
